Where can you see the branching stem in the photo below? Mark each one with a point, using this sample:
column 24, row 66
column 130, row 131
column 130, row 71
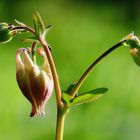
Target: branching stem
column 90, row 68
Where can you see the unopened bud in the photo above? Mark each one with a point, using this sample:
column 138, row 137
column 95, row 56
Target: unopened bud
column 135, row 53
column 36, row 83
column 133, row 42
column 5, row 33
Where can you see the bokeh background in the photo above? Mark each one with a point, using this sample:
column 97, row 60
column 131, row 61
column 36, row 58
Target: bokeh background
column 82, row 30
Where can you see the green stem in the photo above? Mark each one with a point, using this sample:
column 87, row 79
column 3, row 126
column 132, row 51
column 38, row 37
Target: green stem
column 60, row 125
column 60, row 113
column 87, row 72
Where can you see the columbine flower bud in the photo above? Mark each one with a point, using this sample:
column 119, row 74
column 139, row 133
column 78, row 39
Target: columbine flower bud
column 36, row 83
column 134, row 43
column 135, row 53
column 5, row 33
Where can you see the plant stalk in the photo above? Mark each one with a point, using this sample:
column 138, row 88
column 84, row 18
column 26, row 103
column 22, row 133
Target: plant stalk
column 54, row 73
column 60, row 114
column 23, row 27
column 60, row 125
column 90, row 68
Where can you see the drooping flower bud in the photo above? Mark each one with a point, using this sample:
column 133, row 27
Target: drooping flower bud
column 36, row 83
column 5, row 33
column 135, row 53
column 134, row 43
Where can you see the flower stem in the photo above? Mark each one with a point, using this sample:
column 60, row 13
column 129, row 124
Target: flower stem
column 54, row 73
column 23, row 27
column 90, row 68
column 60, row 108
column 60, row 125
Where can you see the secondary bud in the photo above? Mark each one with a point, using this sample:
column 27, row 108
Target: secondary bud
column 36, row 83
column 135, row 53
column 5, row 33
column 133, row 42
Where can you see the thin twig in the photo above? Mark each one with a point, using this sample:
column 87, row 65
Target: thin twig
column 24, row 27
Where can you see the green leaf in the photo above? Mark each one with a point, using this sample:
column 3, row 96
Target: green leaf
column 66, row 97
column 89, row 96
column 66, row 94
column 70, row 88
column 38, row 24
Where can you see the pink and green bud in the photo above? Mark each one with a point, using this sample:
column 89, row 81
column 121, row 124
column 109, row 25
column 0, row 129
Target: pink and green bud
column 133, row 42
column 36, row 83
column 135, row 53
column 5, row 33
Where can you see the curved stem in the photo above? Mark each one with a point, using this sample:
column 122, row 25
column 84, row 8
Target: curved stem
column 54, row 73
column 24, row 27
column 87, row 72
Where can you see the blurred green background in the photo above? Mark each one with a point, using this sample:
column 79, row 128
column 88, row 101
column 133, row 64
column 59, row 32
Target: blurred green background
column 83, row 29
